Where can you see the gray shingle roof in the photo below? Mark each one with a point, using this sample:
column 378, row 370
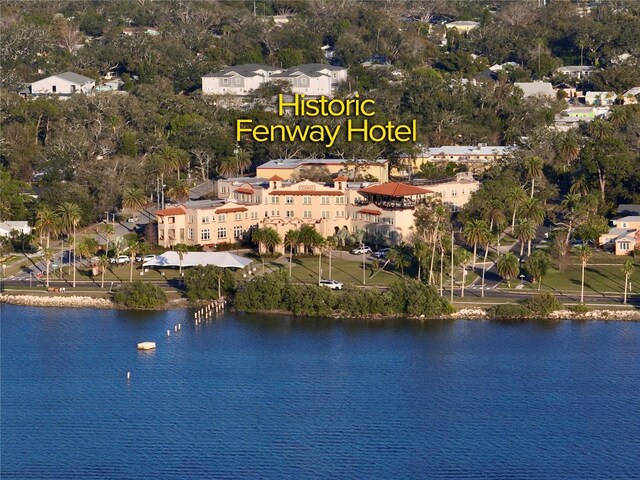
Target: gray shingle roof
column 246, row 70
column 74, row 77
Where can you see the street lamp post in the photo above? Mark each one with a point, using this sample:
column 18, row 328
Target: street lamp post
column 236, row 151
column 522, row 279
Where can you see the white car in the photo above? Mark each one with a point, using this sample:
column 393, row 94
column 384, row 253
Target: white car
column 145, row 259
column 382, row 253
column 332, row 284
column 132, row 219
column 120, row 260
column 361, row 249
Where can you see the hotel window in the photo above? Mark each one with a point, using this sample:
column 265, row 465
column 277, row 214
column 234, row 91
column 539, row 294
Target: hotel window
column 454, row 193
column 307, row 214
column 222, row 232
column 237, row 232
column 303, row 82
column 289, row 200
column 324, row 200
column 190, row 234
column 205, row 234
column 624, row 245
column 275, row 213
column 275, row 199
column 222, row 217
column 325, row 214
column 254, row 215
column 339, row 214
column 306, row 200
column 289, row 214
column 225, row 81
column 172, row 220
column 205, row 219
column 238, row 216
column 190, row 218
column 340, row 200
column 160, row 234
column 237, row 81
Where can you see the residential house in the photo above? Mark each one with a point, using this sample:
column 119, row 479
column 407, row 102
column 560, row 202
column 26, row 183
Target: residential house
column 314, row 79
column 463, row 26
column 324, row 168
column 624, row 236
column 536, row 89
column 239, row 80
column 61, row 84
column 599, row 99
column 630, row 97
column 572, row 116
column 477, row 158
column 576, row 71
column 7, row 229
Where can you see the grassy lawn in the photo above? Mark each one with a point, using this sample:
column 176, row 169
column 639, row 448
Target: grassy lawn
column 305, row 270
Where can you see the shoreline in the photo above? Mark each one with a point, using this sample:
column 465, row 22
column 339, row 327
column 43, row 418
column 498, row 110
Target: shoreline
column 77, row 301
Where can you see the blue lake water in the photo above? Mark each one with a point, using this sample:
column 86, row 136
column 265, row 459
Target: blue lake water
column 274, row 398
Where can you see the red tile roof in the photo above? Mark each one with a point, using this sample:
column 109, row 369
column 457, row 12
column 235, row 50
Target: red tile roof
column 341, row 178
column 247, row 190
column 231, row 209
column 275, row 178
column 331, row 193
column 179, row 210
column 395, row 189
column 369, row 211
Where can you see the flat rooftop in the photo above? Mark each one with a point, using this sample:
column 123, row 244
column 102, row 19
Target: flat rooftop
column 291, row 163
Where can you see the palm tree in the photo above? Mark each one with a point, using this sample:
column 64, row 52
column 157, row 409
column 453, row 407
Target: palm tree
column 584, row 253
column 87, row 247
column 537, row 266
column 533, row 166
column 493, row 213
column 627, row 269
column 463, row 260
column 243, row 160
column 103, row 262
column 48, row 255
column 420, row 253
column 173, row 158
column 619, row 116
column 70, row 215
column 600, row 129
column 181, row 249
column 133, row 199
column 508, row 267
column 533, row 210
column 47, row 223
column 476, row 231
column 109, row 230
column 227, row 167
column 180, row 191
column 400, row 256
column 515, row 196
column 568, row 148
column 272, row 239
column 308, row 236
column 291, row 240
column 525, row 231
column 484, row 262
column 134, row 248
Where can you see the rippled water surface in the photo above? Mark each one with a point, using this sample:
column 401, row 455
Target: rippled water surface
column 274, row 398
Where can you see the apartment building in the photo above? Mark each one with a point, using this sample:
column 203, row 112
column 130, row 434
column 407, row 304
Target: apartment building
column 477, row 158
column 313, row 79
column 384, row 209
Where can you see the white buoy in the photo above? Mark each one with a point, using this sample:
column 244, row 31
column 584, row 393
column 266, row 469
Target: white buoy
column 128, row 375
column 179, row 326
column 168, row 333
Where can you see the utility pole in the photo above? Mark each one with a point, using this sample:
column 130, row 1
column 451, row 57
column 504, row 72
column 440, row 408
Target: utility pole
column 364, row 279
column 162, row 186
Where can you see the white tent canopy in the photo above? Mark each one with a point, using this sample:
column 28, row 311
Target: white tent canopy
column 192, row 259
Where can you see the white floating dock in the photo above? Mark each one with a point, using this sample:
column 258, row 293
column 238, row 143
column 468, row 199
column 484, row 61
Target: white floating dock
column 146, row 346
